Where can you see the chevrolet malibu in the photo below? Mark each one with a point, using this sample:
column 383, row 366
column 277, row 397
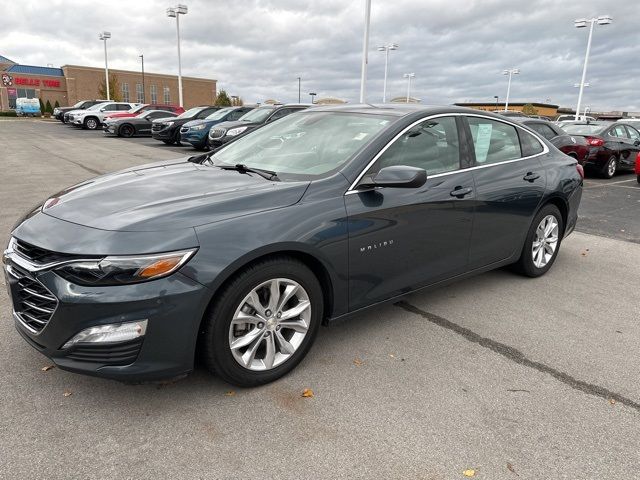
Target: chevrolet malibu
column 240, row 255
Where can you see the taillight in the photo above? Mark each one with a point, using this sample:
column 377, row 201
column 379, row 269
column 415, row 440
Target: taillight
column 580, row 170
column 595, row 141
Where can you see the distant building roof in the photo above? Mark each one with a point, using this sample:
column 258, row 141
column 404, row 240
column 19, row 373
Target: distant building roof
column 32, row 70
column 5, row 60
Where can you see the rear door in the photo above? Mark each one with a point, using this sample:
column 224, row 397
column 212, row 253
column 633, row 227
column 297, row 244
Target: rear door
column 509, row 181
column 404, row 238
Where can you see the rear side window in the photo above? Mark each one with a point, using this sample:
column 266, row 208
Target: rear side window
column 432, row 145
column 529, row 144
column 545, row 130
column 493, row 141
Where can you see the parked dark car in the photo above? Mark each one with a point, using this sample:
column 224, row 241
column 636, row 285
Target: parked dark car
column 227, row 131
column 614, row 146
column 575, row 146
column 139, row 126
column 245, row 251
column 168, row 129
column 196, row 132
column 59, row 112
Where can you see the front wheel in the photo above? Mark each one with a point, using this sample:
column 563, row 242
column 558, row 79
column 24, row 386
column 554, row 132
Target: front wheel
column 638, row 178
column 91, row 123
column 542, row 243
column 176, row 138
column 263, row 323
column 126, row 131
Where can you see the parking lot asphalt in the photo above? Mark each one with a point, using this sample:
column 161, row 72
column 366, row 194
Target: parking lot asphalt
column 507, row 376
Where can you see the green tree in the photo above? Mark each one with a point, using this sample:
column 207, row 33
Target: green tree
column 529, row 109
column 237, row 101
column 222, row 99
column 48, row 108
column 41, row 106
column 57, row 104
column 114, row 89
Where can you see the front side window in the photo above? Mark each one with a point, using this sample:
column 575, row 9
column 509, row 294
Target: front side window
column 432, row 145
column 633, row 133
column 154, row 94
column 494, row 141
column 125, row 92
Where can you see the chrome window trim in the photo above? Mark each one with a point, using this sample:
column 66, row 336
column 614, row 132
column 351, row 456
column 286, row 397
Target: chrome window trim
column 545, row 149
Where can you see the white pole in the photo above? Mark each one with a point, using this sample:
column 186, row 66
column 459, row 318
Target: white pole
column 408, row 88
column 106, row 69
column 386, row 67
column 365, row 50
column 584, row 69
column 506, row 103
column 179, row 62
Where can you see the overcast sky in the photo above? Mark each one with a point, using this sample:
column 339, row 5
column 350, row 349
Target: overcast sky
column 257, row 49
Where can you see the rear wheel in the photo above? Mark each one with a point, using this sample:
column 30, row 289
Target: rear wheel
column 542, row 243
column 90, row 123
column 126, row 131
column 263, row 323
column 609, row 169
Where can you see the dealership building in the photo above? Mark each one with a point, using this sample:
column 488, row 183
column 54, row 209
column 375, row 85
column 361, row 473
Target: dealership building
column 71, row 83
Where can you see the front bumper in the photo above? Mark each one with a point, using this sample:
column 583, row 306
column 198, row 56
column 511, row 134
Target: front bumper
column 166, row 133
column 109, row 129
column 197, row 138
column 173, row 307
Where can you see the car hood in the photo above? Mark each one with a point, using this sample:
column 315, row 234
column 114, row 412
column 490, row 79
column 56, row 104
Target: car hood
column 169, row 195
column 175, row 120
column 237, row 123
column 75, row 112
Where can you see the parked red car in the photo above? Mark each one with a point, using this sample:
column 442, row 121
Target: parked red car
column 144, row 108
column 638, row 167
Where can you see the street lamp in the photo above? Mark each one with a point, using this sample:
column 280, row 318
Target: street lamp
column 409, row 76
column 104, row 36
column 385, row 49
column 312, row 94
column 365, row 50
column 582, row 23
column 496, row 97
column 511, row 72
column 299, row 84
column 175, row 12
column 143, row 93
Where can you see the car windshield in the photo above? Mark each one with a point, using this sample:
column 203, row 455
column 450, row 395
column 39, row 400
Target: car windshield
column 217, row 115
column 257, row 115
column 79, row 104
column 305, row 145
column 192, row 112
column 583, row 129
column 97, row 106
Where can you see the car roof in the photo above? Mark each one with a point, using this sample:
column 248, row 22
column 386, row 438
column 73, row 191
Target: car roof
column 404, row 109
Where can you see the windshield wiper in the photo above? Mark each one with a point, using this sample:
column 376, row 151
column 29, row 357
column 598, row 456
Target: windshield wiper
column 242, row 168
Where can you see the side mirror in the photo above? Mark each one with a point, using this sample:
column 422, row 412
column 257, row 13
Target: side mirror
column 636, row 143
column 103, row 109
column 397, row 176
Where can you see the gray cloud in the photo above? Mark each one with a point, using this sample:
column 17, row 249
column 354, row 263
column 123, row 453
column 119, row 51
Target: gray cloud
column 257, row 49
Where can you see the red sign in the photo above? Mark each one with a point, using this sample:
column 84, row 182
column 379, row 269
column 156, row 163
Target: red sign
column 35, row 82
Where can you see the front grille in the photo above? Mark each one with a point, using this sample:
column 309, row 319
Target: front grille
column 184, row 129
column 34, row 303
column 217, row 133
column 107, row 354
column 156, row 127
column 40, row 255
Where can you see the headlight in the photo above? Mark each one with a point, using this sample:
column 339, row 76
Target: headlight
column 236, row 131
column 122, row 270
column 198, row 127
column 167, row 124
column 56, row 111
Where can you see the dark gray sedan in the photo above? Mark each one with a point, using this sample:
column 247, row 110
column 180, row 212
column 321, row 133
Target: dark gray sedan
column 240, row 255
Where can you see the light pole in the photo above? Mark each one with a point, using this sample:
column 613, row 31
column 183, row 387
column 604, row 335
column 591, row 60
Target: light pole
column 175, row 12
column 385, row 49
column 409, row 76
column 299, row 84
column 143, row 93
column 365, row 50
column 104, row 36
column 312, row 95
column 496, row 97
column 582, row 23
column 511, row 72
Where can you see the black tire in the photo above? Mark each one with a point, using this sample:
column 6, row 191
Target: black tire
column 167, row 142
column 525, row 265
column 91, row 123
column 610, row 168
column 176, row 138
column 214, row 339
column 126, row 131
column 638, row 178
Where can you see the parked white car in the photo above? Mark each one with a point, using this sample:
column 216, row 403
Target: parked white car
column 93, row 117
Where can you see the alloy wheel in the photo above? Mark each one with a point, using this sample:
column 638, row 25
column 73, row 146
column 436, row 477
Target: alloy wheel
column 91, row 124
column 611, row 167
column 545, row 241
column 270, row 324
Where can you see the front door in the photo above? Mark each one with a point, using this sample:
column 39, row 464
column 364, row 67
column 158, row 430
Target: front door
column 510, row 182
column 404, row 238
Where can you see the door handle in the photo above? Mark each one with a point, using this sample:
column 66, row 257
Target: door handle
column 461, row 192
column 531, row 177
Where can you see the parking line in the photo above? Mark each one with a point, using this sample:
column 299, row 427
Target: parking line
column 598, row 184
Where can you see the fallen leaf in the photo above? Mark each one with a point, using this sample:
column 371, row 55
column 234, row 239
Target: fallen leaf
column 584, row 254
column 67, row 393
column 47, row 368
column 307, row 393
column 357, row 362
column 511, row 469
column 230, row 393
column 392, row 355
column 612, row 401
column 470, row 472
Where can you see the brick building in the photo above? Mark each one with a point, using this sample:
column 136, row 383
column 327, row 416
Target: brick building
column 71, row 83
